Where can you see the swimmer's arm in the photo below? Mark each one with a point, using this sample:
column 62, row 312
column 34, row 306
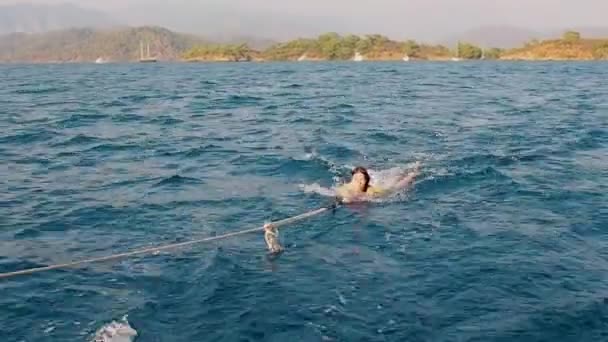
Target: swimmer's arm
column 408, row 180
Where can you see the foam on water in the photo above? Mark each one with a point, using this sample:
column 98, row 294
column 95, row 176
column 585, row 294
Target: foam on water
column 115, row 332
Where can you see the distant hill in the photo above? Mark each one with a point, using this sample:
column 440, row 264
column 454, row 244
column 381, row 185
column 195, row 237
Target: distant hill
column 570, row 47
column 86, row 45
column 507, row 37
column 225, row 21
column 494, row 36
column 588, row 32
column 255, row 42
column 30, row 18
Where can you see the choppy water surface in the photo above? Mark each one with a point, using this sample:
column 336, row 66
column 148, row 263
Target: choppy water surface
column 503, row 238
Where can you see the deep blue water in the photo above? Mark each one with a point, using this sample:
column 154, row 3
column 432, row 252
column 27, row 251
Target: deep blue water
column 503, row 238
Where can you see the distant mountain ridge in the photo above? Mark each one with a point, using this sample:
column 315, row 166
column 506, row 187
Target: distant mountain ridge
column 30, row 18
column 258, row 28
column 507, row 37
column 87, row 45
column 494, row 36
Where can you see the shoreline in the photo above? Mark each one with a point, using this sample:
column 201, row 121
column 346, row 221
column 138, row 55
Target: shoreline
column 468, row 61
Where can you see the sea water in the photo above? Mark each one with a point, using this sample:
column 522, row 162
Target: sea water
column 504, row 236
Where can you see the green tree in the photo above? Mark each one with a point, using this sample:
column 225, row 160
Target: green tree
column 411, row 48
column 364, row 46
column 600, row 51
column 571, row 36
column 531, row 43
column 330, row 45
column 351, row 41
column 469, row 51
column 492, row 53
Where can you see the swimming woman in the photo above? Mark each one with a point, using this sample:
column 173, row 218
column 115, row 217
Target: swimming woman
column 360, row 189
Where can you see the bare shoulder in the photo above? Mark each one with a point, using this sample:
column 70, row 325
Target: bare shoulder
column 376, row 191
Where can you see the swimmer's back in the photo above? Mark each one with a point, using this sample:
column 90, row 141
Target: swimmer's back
column 376, row 191
column 347, row 192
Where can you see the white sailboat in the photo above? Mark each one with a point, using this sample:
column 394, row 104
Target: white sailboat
column 406, row 58
column 147, row 58
column 100, row 60
column 358, row 57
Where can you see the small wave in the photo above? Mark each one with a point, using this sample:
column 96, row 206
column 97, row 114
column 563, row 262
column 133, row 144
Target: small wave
column 25, row 138
column 271, row 107
column 335, row 169
column 33, row 160
column 113, row 147
column 27, row 233
column 115, row 332
column 135, row 98
column 113, row 103
column 389, row 71
column 79, row 139
column 177, row 179
column 67, row 154
column 342, row 106
column 39, row 91
column 342, row 151
column 301, row 120
column 166, row 120
column 199, row 151
column 127, row 118
column 445, row 180
column 590, row 140
column 384, row 137
column 243, row 99
column 294, row 86
column 484, row 159
column 284, row 72
column 174, row 97
column 77, row 120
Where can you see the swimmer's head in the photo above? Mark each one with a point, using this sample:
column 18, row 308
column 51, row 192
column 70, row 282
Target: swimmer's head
column 360, row 178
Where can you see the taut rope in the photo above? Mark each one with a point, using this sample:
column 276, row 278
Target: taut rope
column 272, row 245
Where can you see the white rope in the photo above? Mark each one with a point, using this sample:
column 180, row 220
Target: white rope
column 165, row 247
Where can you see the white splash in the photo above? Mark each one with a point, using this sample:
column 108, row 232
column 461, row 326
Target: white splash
column 318, row 189
column 115, row 332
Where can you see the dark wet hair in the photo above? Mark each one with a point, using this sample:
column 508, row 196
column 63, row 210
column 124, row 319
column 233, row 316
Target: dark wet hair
column 360, row 169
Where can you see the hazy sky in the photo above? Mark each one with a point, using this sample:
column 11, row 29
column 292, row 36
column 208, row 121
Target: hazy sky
column 428, row 19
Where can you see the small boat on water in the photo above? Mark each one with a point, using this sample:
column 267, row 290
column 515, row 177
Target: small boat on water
column 147, row 58
column 358, row 57
column 406, row 58
column 100, row 60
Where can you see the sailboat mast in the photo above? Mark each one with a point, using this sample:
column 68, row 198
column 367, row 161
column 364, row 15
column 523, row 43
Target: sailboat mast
column 148, row 56
column 141, row 50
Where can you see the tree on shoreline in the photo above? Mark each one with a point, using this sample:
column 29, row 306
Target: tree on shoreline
column 469, row 51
